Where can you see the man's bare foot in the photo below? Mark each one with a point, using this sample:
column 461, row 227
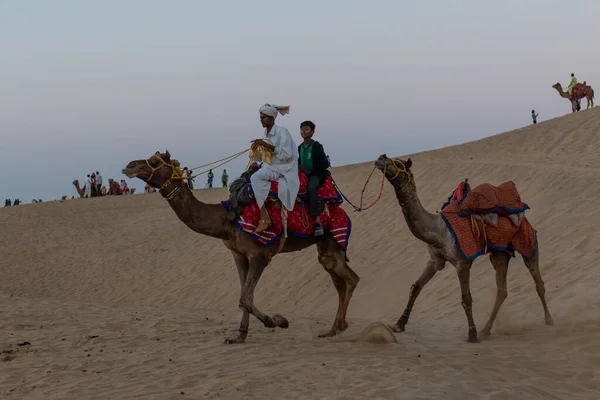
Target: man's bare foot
column 262, row 225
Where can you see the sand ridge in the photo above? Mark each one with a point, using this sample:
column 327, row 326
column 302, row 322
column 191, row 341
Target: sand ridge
column 118, row 299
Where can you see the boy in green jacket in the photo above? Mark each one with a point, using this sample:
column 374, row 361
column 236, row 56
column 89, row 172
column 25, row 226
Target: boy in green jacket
column 313, row 161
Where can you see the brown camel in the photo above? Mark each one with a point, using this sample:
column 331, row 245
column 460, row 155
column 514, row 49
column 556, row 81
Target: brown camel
column 250, row 258
column 432, row 230
column 580, row 91
column 81, row 191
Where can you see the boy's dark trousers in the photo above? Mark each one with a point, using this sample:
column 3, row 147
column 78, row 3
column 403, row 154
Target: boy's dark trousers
column 314, row 181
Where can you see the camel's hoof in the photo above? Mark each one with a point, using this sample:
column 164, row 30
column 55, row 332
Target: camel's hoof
column 473, row 336
column 397, row 328
column 234, row 341
column 549, row 321
column 485, row 332
column 328, row 334
column 281, row 321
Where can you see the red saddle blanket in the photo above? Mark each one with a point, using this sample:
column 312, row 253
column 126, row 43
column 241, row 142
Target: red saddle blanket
column 299, row 223
column 473, row 235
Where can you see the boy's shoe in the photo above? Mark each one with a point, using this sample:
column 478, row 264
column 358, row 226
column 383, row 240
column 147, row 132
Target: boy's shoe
column 319, row 230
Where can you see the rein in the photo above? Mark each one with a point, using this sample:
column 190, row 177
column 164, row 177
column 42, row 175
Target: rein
column 362, row 193
column 177, row 174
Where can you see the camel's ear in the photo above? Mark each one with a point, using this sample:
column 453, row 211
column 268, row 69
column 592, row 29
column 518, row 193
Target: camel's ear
column 408, row 163
column 167, row 155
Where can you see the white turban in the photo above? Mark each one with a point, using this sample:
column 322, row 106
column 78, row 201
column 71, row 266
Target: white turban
column 272, row 110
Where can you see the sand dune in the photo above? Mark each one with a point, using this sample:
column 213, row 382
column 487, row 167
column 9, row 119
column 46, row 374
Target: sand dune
column 116, row 298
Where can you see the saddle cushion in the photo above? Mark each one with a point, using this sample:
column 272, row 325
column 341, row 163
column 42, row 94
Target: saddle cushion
column 488, row 218
column 485, row 198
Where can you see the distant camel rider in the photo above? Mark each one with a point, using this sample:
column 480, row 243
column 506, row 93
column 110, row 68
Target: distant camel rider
column 283, row 167
column 571, row 84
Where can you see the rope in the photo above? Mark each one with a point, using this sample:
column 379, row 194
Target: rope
column 362, row 193
column 222, row 159
column 225, row 161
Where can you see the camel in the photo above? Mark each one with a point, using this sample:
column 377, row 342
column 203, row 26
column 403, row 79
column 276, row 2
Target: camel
column 81, row 191
column 250, row 258
column 432, row 230
column 584, row 91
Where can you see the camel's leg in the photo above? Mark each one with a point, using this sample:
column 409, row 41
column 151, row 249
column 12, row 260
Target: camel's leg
column 463, row 268
column 255, row 270
column 500, row 260
column 433, row 265
column 333, row 259
column 242, row 264
column 533, row 265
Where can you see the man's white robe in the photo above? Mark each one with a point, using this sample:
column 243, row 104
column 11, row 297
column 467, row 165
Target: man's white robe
column 284, row 169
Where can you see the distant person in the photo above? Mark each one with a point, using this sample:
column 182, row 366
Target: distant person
column 570, row 90
column 98, row 182
column 210, row 179
column 124, row 187
column 534, row 116
column 313, row 162
column 190, row 180
column 88, row 187
column 224, row 178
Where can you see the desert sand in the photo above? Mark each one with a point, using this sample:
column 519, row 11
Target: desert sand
column 115, row 298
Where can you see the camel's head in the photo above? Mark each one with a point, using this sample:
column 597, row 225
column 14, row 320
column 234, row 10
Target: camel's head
column 158, row 171
column 395, row 170
column 557, row 86
column 76, row 182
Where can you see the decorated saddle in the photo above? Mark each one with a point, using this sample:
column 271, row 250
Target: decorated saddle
column 579, row 91
column 488, row 217
column 299, row 223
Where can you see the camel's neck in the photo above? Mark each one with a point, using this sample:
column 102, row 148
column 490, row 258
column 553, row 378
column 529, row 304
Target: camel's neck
column 424, row 225
column 562, row 92
column 207, row 219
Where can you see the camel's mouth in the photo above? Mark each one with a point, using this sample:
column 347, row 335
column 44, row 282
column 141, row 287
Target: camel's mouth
column 381, row 162
column 132, row 170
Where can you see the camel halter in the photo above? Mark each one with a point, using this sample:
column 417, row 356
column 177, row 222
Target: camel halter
column 402, row 170
column 176, row 173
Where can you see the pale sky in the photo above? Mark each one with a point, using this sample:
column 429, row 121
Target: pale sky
column 92, row 85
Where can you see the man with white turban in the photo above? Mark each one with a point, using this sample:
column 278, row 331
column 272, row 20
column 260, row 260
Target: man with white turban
column 283, row 167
